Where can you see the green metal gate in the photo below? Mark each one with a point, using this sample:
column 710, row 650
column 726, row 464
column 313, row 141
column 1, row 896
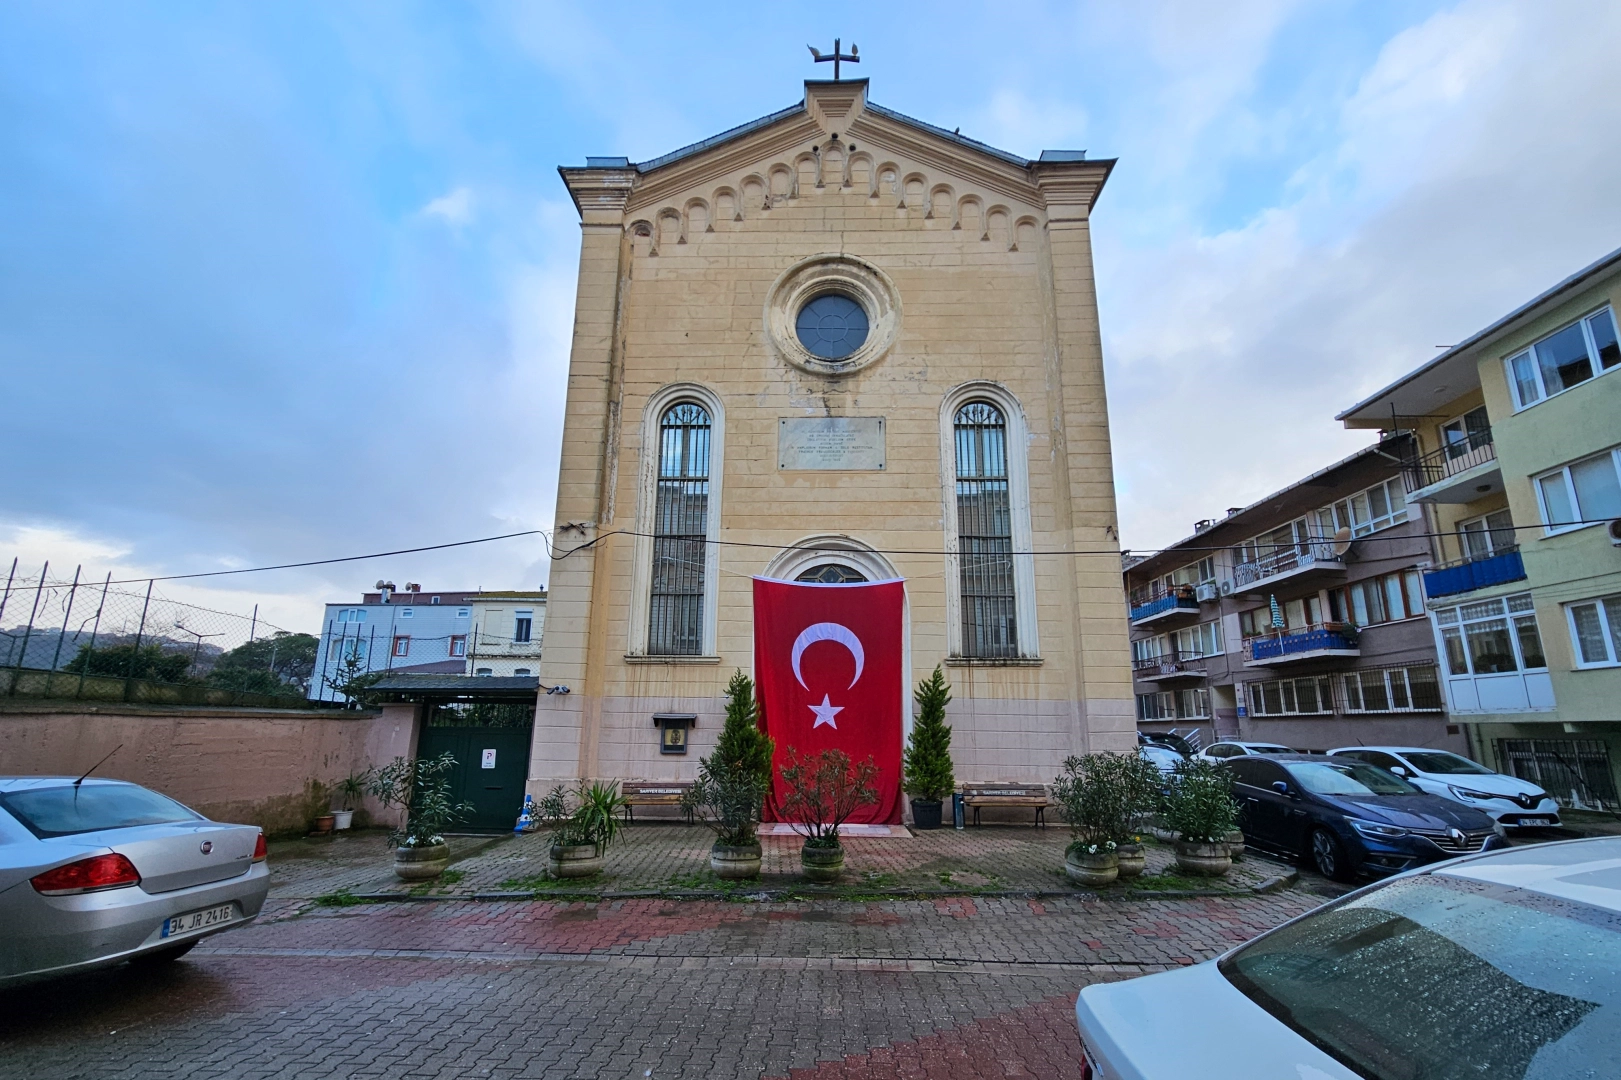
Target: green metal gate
column 492, row 760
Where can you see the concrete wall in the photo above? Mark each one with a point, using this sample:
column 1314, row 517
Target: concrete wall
column 249, row 765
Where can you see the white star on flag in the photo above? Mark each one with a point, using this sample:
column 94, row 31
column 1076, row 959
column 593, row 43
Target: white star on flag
column 825, row 712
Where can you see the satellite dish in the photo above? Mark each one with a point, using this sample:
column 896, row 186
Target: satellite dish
column 380, row 584
column 1342, row 543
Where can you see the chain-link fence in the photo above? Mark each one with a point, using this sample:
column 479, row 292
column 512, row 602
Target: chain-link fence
column 68, row 636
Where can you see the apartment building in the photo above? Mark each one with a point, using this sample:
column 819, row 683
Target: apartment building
column 1298, row 620
column 1516, row 463
column 410, row 630
column 506, row 633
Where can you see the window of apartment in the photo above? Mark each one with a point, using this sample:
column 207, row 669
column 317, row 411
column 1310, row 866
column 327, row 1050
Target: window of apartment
column 523, row 626
column 1468, row 432
column 483, row 671
column 1387, row 598
column 340, row 649
column 1379, row 507
column 351, row 615
column 458, row 645
column 1584, row 492
column 1595, row 626
column 1194, row 573
column 1481, row 537
column 521, row 671
column 985, row 532
column 1491, row 637
column 1311, row 695
column 1174, row 705
column 1399, row 689
column 1201, row 640
column 463, row 613
column 1297, row 615
column 402, row 645
column 1567, row 357
column 433, row 600
column 407, row 613
column 680, row 528
column 1149, row 648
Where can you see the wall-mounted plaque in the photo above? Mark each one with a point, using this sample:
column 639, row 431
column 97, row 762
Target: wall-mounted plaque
column 830, row 443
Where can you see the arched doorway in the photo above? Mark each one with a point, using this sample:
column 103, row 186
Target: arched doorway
column 832, row 573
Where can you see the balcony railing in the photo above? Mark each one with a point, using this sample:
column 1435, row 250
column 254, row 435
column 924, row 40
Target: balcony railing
column 1467, row 575
column 1162, row 603
column 1293, row 644
column 1167, row 666
column 1284, row 561
column 1449, row 461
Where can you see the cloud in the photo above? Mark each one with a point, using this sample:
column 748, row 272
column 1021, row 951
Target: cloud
column 454, row 207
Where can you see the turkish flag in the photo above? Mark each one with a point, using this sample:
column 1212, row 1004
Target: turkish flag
column 827, row 661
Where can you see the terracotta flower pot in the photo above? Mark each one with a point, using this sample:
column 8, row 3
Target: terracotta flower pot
column 1092, row 870
column 1132, row 860
column 1205, row 860
column 926, row 813
column 422, row 863
column 1235, row 845
column 575, row 861
column 323, row 823
column 735, row 863
column 821, row 864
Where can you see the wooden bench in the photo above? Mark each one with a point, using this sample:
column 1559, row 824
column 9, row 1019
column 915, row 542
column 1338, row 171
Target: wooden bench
column 653, row 793
column 1031, row 795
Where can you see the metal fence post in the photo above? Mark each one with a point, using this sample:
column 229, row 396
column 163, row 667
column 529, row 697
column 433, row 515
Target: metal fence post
column 94, row 630
column 135, row 653
column 3, row 599
column 67, row 617
column 22, row 657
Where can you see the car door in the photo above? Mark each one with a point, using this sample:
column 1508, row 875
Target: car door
column 1260, row 809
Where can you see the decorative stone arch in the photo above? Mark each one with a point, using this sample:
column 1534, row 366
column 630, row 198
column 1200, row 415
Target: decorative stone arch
column 642, row 239
column 833, row 165
column 810, row 551
column 941, row 193
column 971, row 209
column 1025, row 231
column 646, row 504
column 756, row 194
column 697, row 219
column 1018, row 468
column 859, row 173
column 728, row 207
column 915, row 184
column 781, row 184
column 886, row 179
column 999, row 226
column 670, row 228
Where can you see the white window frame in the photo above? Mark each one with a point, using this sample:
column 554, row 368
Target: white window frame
column 1563, row 471
column 1018, row 471
column 1325, row 695
column 1451, row 618
column 1390, row 675
column 1486, row 533
column 646, row 496
column 1536, row 367
column 1612, row 633
column 524, row 615
column 407, row 613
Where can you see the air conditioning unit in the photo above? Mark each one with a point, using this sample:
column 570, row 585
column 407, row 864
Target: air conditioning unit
column 1614, row 529
column 1227, row 587
column 1207, row 593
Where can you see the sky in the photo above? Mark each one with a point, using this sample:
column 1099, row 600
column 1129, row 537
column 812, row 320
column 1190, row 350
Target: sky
column 292, row 281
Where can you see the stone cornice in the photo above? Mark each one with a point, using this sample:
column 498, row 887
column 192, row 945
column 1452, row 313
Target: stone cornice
column 707, row 168
column 1070, row 188
column 978, row 168
column 598, row 191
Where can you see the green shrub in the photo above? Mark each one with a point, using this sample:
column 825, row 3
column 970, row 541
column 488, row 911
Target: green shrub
column 596, row 819
column 1103, row 796
column 926, row 765
column 421, row 787
column 732, row 781
column 823, row 791
column 1200, row 803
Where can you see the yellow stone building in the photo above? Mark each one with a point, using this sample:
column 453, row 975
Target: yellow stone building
column 835, row 343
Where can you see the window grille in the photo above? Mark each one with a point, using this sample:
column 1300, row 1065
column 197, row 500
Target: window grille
column 1576, row 772
column 985, row 533
column 680, row 525
column 832, row 574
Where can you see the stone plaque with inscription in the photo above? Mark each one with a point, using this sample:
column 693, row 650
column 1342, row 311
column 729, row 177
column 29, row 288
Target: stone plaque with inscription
column 830, row 443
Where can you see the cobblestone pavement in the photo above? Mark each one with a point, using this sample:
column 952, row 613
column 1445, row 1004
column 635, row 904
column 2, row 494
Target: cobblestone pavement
column 675, row 858
column 641, row 988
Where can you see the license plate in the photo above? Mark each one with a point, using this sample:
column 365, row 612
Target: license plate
column 198, row 920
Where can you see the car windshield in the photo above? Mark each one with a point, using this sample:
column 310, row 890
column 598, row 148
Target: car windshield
column 1347, row 778
column 1270, row 750
column 1164, row 757
column 1439, row 761
column 65, row 810
column 1443, row 978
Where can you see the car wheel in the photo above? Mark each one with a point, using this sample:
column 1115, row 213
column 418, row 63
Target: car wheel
column 1328, row 856
column 162, row 956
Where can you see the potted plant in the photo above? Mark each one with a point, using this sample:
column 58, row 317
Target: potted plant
column 583, row 834
column 821, row 793
column 1142, row 782
column 351, row 790
column 1092, row 798
column 926, row 766
column 1201, row 810
column 420, row 788
column 731, row 785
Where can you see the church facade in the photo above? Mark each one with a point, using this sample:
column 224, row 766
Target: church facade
column 835, row 344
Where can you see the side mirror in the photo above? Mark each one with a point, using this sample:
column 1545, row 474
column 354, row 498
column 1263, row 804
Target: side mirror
column 1398, row 770
column 1281, row 787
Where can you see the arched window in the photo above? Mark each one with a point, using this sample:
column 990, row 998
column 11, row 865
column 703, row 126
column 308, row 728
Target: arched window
column 985, row 533
column 680, row 525
column 832, row 574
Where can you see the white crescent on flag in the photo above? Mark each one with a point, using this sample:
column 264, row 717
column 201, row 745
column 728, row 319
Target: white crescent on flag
column 828, row 631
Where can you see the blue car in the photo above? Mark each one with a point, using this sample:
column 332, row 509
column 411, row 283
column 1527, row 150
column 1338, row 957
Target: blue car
column 1346, row 817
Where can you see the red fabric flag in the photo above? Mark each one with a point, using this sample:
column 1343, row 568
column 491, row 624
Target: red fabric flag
column 827, row 661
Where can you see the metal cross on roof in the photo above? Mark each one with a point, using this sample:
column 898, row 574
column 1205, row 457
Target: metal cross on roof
column 853, row 56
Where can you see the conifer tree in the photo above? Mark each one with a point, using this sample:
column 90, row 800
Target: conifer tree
column 927, row 761
column 742, row 745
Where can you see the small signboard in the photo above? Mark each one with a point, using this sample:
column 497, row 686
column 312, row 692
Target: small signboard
column 830, row 443
column 489, row 759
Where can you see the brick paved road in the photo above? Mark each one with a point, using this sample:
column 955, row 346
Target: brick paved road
column 637, row 988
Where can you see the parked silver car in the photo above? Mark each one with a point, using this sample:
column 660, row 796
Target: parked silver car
column 96, row 872
column 1511, row 802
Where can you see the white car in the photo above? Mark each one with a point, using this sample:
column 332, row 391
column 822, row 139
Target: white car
column 1231, row 748
column 1495, row 965
column 1510, row 801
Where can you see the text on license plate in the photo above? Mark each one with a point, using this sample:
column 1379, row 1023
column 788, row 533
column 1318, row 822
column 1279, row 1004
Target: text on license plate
column 198, row 920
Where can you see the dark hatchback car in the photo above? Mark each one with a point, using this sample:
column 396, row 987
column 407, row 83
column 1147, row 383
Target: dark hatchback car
column 1347, row 817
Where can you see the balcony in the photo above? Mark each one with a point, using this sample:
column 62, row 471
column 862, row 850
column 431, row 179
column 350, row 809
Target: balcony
column 1298, row 564
column 1168, row 667
column 1318, row 641
column 1164, row 608
column 1467, row 575
column 1459, row 472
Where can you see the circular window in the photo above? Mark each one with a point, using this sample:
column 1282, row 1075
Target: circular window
column 832, row 326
